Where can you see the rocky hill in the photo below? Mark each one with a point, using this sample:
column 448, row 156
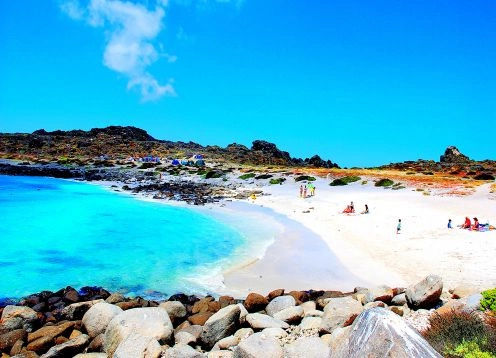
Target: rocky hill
column 119, row 143
column 451, row 162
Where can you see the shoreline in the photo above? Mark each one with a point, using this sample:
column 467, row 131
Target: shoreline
column 364, row 245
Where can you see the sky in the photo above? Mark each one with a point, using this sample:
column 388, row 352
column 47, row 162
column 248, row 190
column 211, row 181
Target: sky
column 362, row 83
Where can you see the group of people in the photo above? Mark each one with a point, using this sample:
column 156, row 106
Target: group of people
column 307, row 190
column 350, row 209
column 476, row 225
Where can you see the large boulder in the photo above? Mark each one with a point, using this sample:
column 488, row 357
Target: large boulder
column 69, row 348
column 381, row 293
column 136, row 345
column 175, row 310
column 220, row 325
column 280, row 303
column 308, row 347
column 7, row 340
column 340, row 312
column 255, row 302
column 261, row 321
column 43, row 338
column 453, row 156
column 153, row 322
column 426, row 293
column 290, row 314
column 17, row 317
column 97, row 318
column 259, row 345
column 378, row 332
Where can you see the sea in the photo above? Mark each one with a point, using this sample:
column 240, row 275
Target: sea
column 56, row 233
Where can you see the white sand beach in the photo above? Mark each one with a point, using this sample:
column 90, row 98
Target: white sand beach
column 335, row 251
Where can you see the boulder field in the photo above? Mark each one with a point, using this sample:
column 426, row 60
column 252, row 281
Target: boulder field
column 90, row 323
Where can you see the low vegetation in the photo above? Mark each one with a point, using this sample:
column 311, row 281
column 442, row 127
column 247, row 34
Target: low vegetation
column 345, row 180
column 461, row 334
column 247, row 176
column 488, row 302
column 384, row 182
column 277, row 181
column 264, row 176
column 305, row 177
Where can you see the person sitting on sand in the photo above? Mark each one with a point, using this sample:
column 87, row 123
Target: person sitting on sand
column 348, row 210
column 467, row 224
column 366, row 211
column 476, row 224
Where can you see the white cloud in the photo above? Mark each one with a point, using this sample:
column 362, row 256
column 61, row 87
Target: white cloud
column 130, row 29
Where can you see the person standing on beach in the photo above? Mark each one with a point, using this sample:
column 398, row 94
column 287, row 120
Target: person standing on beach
column 449, row 224
column 304, row 192
column 301, row 191
column 398, row 228
column 352, row 207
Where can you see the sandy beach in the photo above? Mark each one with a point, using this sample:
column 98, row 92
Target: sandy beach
column 322, row 248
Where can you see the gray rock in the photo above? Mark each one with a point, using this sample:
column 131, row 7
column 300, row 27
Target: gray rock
column 115, row 297
column 77, row 310
column 339, row 312
column 17, row 317
column 426, row 293
column 182, row 351
column 150, row 322
column 98, row 316
column 26, row 354
column 220, row 354
column 378, row 332
column 338, row 337
column 290, row 315
column 183, row 337
column 91, row 355
column 374, row 304
column 136, row 345
column 194, row 330
column 243, row 333
column 399, row 300
column 261, row 321
column 275, row 332
column 311, row 323
column 308, row 306
column 381, row 293
column 175, row 310
column 314, row 313
column 280, row 303
column 227, row 342
column 69, row 348
column 242, row 314
column 222, row 324
column 308, row 347
column 258, row 345
column 472, row 302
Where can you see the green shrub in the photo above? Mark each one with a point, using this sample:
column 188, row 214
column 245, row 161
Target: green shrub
column 338, row 182
column 213, row 174
column 264, row 176
column 277, row 181
column 345, row 180
column 384, row 182
column 459, row 330
column 364, row 182
column 305, row 177
column 247, row 176
column 469, row 349
column 488, row 301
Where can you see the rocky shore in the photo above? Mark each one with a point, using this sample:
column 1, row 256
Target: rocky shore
column 368, row 322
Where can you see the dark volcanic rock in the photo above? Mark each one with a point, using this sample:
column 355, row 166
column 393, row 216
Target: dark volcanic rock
column 453, row 156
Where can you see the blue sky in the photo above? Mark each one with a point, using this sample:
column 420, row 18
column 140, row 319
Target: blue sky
column 361, row 83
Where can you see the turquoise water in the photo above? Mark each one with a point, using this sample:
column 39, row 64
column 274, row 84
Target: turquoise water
column 55, row 233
